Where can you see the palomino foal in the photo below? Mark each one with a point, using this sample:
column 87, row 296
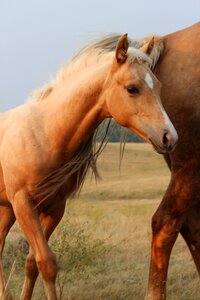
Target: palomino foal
column 46, row 144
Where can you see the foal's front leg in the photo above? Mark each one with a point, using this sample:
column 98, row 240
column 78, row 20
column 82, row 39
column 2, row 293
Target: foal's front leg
column 7, row 219
column 29, row 222
column 49, row 223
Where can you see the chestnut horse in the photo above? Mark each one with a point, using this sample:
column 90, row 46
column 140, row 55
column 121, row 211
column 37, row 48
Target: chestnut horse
column 46, row 145
column 179, row 212
column 178, row 70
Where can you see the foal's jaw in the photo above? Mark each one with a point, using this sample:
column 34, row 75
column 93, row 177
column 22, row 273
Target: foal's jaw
column 167, row 142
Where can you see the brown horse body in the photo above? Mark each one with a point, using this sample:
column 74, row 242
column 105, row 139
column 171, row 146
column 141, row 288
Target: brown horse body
column 46, row 145
column 179, row 211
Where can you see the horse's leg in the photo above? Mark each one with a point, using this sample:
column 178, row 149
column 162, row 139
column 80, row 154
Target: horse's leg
column 166, row 224
column 49, row 223
column 191, row 233
column 7, row 219
column 30, row 224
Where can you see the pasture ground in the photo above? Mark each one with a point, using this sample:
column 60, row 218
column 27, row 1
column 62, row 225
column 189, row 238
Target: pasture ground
column 103, row 242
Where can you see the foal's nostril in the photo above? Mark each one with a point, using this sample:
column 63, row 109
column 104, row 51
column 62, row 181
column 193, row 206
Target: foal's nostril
column 165, row 139
column 168, row 141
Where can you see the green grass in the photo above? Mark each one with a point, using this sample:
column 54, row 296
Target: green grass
column 103, row 242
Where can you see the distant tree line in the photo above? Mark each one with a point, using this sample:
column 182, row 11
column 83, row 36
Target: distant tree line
column 116, row 133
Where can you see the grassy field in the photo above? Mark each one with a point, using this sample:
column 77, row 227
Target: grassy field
column 103, row 242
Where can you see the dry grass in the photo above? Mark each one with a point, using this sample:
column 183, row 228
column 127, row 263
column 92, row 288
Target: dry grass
column 103, row 241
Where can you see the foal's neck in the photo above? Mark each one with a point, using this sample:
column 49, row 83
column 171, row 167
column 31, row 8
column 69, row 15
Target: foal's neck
column 73, row 112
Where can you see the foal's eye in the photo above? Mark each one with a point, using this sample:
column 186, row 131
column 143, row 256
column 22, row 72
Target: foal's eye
column 132, row 90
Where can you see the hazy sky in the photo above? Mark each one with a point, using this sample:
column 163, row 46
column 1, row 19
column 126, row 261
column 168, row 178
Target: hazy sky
column 38, row 36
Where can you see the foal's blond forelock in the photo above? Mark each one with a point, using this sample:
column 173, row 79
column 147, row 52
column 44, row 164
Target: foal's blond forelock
column 139, row 56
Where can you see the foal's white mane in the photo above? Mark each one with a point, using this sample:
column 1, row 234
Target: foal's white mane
column 96, row 53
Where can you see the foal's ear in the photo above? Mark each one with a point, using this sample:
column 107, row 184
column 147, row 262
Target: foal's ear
column 121, row 49
column 147, row 48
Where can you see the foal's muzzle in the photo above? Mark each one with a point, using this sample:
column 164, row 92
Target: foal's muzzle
column 167, row 143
